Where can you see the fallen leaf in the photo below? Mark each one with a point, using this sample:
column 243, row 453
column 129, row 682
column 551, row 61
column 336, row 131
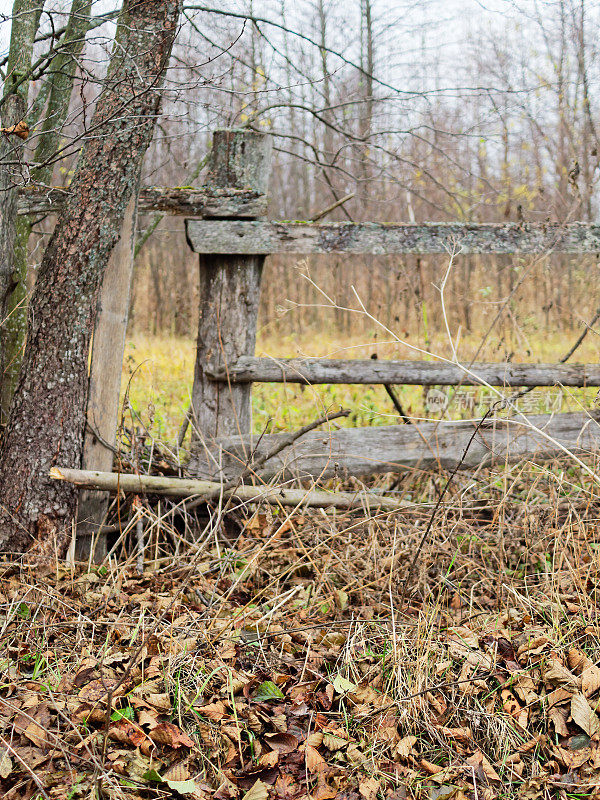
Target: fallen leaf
column 333, row 742
column 584, row 716
column 354, row 754
column 5, row 764
column 558, row 675
column 259, row 791
column 558, row 717
column 315, row 739
column 405, row 745
column 369, row 788
column 314, row 760
column 441, row 792
column 161, row 702
column 269, row 759
column 213, row 711
column 127, row 733
column 479, row 761
column 145, row 717
column 590, row 680
column 182, row 787
column 578, row 661
column 171, row 735
column 267, row 691
column 343, row 685
column 282, row 742
column 177, row 772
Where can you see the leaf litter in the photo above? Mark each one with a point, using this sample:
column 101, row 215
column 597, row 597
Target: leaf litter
column 279, row 666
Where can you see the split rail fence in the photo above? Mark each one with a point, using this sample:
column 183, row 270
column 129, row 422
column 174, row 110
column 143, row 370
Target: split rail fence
column 226, row 225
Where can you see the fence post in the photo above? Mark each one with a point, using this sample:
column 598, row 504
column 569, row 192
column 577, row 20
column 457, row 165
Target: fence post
column 228, row 300
column 105, row 383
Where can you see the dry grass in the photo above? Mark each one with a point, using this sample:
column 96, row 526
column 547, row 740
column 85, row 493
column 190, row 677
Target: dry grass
column 460, row 685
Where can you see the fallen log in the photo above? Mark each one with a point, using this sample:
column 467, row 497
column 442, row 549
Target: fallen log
column 248, row 369
column 263, row 238
column 187, row 487
column 423, row 445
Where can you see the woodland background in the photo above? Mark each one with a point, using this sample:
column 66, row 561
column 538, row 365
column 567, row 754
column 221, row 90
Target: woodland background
column 422, row 111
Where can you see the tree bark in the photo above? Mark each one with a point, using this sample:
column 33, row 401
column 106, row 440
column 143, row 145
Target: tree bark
column 62, row 73
column 26, row 15
column 47, row 416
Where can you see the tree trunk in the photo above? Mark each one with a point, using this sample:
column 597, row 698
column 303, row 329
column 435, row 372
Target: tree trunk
column 47, row 416
column 62, row 74
column 26, row 16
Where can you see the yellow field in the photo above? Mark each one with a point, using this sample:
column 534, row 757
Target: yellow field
column 158, row 374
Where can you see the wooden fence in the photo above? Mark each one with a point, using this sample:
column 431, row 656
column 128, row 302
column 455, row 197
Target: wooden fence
column 231, row 253
column 232, row 237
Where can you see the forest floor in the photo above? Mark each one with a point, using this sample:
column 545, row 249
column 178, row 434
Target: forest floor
column 275, row 654
column 296, row 656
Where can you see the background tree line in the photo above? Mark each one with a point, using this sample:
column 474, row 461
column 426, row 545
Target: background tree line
column 421, row 125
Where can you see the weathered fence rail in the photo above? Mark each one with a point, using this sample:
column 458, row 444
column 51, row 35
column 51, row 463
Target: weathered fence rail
column 263, row 238
column 249, row 369
column 423, row 445
column 202, row 202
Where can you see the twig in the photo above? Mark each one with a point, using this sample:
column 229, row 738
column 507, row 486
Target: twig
column 395, row 399
column 208, row 490
column 584, row 333
column 332, row 207
column 139, row 535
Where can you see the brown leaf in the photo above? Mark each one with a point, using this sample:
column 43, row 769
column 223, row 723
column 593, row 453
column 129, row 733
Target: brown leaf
column 558, row 716
column 99, row 689
column 5, row 764
column 431, row 769
column 149, row 718
column 333, row 742
column 324, row 792
column 259, row 791
column 368, row 788
column 354, row 754
column 269, row 759
column 590, row 680
column 584, row 716
column 314, row 760
column 479, row 761
column 213, row 711
column 578, row 661
column 126, row 732
column 558, row 675
column 21, row 129
column 171, row 735
column 161, row 702
column 282, row 742
column 405, row 745
column 177, row 772
column 85, row 672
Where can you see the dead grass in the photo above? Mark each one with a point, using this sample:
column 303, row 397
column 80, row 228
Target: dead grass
column 284, row 656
